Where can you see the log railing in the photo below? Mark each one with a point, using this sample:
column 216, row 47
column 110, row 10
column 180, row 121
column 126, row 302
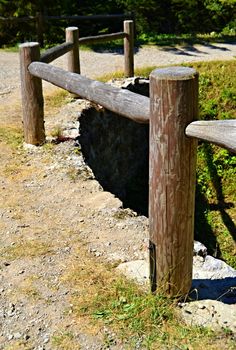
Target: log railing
column 171, row 112
column 40, row 19
column 72, row 45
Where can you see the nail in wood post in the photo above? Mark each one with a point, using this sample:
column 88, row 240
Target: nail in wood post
column 32, row 96
column 174, row 100
column 72, row 35
column 129, row 48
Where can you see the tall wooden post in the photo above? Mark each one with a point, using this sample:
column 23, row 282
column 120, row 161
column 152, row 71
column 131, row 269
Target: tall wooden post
column 32, row 96
column 129, row 48
column 174, row 104
column 72, row 36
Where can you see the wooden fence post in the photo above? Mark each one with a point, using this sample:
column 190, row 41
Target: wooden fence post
column 32, row 96
column 129, row 48
column 72, row 36
column 174, row 104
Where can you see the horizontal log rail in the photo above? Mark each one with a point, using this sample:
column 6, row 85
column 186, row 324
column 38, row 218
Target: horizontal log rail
column 219, row 132
column 68, row 18
column 131, row 105
column 18, row 19
column 56, row 52
column 40, row 19
column 102, row 38
column 121, row 101
column 88, row 18
column 73, row 41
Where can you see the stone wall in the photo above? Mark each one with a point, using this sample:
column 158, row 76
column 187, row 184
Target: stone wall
column 116, row 149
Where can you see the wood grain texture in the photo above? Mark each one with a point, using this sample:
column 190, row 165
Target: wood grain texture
column 121, row 101
column 129, row 48
column 172, row 162
column 220, row 132
column 55, row 52
column 32, row 96
column 101, row 38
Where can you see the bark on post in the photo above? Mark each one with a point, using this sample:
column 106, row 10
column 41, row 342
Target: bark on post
column 129, row 48
column 32, row 96
column 174, row 104
column 72, row 35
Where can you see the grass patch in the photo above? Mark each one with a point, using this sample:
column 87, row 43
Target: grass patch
column 184, row 39
column 18, row 345
column 137, row 318
column 11, row 136
column 56, row 100
column 26, row 249
column 65, row 341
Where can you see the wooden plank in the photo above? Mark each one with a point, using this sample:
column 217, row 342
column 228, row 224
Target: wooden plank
column 220, row 132
column 32, row 96
column 55, row 52
column 101, row 38
column 121, row 101
column 129, row 48
column 172, row 162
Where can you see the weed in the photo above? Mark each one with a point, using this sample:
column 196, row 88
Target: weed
column 64, row 341
column 56, row 132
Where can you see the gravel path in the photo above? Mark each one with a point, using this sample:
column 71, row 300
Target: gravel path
column 95, row 64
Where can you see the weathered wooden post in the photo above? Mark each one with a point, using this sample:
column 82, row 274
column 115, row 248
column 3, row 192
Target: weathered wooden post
column 72, row 36
column 174, row 104
column 129, row 48
column 32, row 96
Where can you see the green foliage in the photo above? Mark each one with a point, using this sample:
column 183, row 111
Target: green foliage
column 152, row 18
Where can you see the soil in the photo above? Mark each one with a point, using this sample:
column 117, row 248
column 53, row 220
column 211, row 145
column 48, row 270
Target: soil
column 54, row 214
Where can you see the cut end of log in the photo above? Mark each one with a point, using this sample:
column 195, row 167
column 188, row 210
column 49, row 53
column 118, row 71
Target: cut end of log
column 174, row 73
column 70, row 29
column 29, row 44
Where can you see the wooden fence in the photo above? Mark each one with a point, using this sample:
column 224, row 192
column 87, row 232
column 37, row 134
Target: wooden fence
column 40, row 20
column 171, row 112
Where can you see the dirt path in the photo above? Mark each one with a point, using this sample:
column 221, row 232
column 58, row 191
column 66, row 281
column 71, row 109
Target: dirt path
column 50, row 205
column 95, row 64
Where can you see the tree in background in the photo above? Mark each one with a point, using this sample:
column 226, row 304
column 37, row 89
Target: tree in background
column 152, row 16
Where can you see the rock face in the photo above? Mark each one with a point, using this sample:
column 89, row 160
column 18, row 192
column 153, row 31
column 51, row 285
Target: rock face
column 116, row 149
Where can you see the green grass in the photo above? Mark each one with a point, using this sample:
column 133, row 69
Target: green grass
column 11, row 135
column 137, row 318
column 184, row 39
